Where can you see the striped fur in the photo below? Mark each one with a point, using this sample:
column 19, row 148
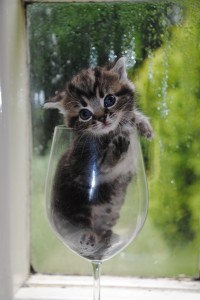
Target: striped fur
column 92, row 177
column 88, row 89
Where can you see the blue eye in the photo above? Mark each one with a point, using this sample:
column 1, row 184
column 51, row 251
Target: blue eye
column 85, row 114
column 109, row 100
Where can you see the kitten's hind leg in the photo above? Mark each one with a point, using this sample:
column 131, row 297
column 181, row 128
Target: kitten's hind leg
column 94, row 244
column 143, row 125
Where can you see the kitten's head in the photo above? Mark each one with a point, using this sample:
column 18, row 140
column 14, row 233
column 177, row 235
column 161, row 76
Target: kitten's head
column 97, row 100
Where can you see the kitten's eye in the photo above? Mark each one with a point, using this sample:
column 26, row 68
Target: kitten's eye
column 85, row 114
column 109, row 100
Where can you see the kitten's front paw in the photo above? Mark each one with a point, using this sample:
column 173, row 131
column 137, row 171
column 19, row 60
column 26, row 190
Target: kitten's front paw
column 116, row 150
column 145, row 129
column 120, row 146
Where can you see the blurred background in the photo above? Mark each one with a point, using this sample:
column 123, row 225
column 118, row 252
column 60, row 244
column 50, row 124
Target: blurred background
column 161, row 41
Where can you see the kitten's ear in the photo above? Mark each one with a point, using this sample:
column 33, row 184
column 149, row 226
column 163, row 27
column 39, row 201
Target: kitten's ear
column 120, row 68
column 56, row 102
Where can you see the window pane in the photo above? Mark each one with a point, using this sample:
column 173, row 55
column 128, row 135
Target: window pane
column 161, row 43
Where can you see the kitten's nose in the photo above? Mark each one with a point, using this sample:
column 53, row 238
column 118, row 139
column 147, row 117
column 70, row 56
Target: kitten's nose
column 103, row 118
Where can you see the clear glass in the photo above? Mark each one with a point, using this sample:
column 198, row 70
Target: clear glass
column 95, row 210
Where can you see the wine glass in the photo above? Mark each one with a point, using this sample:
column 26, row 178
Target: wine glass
column 94, row 230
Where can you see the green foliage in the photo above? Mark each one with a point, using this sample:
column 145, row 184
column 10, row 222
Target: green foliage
column 168, row 84
column 67, row 37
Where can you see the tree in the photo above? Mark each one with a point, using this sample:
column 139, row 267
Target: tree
column 168, row 84
column 65, row 38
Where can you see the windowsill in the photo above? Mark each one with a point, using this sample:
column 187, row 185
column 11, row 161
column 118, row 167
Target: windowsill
column 45, row 287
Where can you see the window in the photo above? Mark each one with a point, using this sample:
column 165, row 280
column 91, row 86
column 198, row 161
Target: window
column 152, row 36
column 167, row 71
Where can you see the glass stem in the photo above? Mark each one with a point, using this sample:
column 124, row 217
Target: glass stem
column 96, row 265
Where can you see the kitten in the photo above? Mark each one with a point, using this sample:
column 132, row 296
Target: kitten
column 92, row 177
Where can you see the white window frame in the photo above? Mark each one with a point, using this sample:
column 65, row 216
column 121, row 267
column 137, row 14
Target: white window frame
column 15, row 148
column 16, row 282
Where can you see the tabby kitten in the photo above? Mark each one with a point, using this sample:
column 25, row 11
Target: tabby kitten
column 99, row 104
